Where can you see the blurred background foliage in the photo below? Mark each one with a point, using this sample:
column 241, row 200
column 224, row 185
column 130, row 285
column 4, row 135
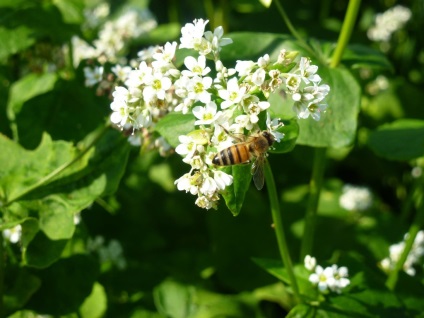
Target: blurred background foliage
column 174, row 258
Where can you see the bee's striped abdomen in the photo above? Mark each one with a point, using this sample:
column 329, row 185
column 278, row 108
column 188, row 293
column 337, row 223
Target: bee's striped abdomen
column 233, row 155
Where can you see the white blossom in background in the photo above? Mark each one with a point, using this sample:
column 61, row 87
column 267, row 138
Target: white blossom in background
column 415, row 256
column 14, row 234
column 113, row 36
column 355, row 198
column 332, row 278
column 108, row 253
column 388, row 22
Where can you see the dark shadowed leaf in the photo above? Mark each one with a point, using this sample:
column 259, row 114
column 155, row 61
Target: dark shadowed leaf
column 400, row 140
column 66, row 284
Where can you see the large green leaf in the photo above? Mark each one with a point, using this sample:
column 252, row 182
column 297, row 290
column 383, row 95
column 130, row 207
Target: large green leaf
column 402, row 139
column 235, row 193
column 174, row 300
column 66, row 284
column 337, row 127
column 361, row 56
column 95, row 174
column 14, row 41
column 174, row 125
column 94, row 305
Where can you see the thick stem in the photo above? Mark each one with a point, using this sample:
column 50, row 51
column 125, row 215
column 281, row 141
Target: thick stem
column 59, row 170
column 346, row 32
column 279, row 230
column 315, row 185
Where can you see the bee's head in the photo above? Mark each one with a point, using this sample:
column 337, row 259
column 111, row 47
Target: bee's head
column 269, row 137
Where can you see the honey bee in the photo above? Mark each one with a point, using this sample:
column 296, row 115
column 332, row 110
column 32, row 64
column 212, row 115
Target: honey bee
column 255, row 148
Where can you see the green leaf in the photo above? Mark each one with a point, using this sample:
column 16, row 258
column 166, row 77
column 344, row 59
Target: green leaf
column 161, row 34
column 56, row 218
column 291, row 132
column 26, row 88
column 72, row 10
column 337, row 127
column 174, row 300
column 20, row 285
column 14, row 41
column 174, row 125
column 235, row 193
column 94, row 305
column 361, row 56
column 266, row 3
column 42, row 252
column 402, row 139
column 66, row 284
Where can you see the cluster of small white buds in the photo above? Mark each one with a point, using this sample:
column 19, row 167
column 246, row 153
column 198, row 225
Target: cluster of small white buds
column 415, row 256
column 332, row 278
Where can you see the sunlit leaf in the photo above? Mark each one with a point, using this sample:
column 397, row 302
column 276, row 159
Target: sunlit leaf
column 95, row 305
column 14, row 40
column 174, row 125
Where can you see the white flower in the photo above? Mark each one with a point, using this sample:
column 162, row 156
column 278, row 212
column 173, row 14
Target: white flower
column 205, row 203
column 244, row 68
column 165, row 54
column 195, row 67
column 389, row 22
column 206, row 115
column 208, row 186
column 187, row 146
column 14, row 234
column 272, row 126
column 255, row 108
column 355, row 198
column 192, row 33
column 157, row 86
column 140, row 76
column 216, row 39
column 327, row 279
column 308, row 71
column 310, row 262
column 233, row 94
column 340, row 279
column 258, row 77
column 222, row 179
column 93, row 76
column 197, row 89
column 121, row 72
column 323, row 278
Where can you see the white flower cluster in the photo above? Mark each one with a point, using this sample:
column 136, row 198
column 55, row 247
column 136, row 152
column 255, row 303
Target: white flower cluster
column 225, row 105
column 388, row 22
column 331, row 278
column 355, row 198
column 112, row 41
column 14, row 234
column 415, row 256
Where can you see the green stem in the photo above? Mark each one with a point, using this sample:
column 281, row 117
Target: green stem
column 412, row 233
column 346, row 32
column 315, row 186
column 291, row 28
column 279, row 229
column 59, row 170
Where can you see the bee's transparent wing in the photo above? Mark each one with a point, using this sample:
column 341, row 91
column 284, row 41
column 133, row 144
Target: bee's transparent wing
column 258, row 172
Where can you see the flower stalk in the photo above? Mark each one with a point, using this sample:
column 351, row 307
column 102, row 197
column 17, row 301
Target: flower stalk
column 412, row 234
column 315, row 186
column 279, row 230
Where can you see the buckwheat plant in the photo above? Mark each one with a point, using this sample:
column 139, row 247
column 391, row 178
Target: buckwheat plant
column 226, row 102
